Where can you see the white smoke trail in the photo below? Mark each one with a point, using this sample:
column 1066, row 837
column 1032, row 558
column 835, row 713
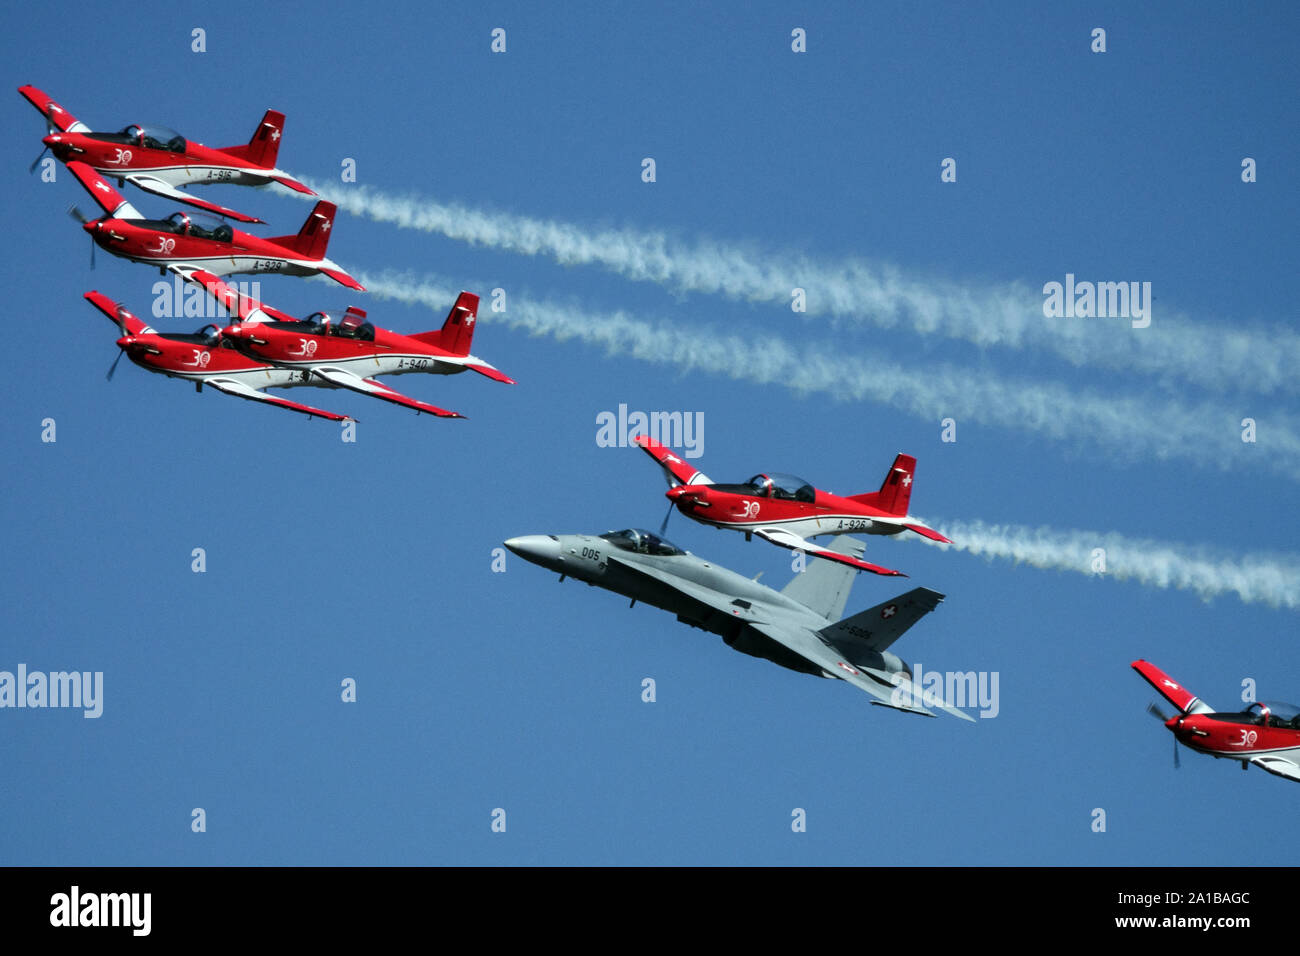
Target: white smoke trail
column 1255, row 578
column 1230, row 359
column 1130, row 426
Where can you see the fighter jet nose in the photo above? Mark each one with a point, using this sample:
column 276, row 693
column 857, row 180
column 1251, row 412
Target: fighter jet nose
column 541, row 549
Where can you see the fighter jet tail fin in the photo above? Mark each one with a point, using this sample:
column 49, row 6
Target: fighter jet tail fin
column 823, row 586
column 878, row 627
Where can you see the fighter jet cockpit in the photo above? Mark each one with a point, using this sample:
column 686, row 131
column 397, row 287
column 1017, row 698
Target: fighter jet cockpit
column 642, row 542
column 777, row 485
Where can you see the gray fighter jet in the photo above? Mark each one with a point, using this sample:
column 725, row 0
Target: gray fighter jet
column 798, row 627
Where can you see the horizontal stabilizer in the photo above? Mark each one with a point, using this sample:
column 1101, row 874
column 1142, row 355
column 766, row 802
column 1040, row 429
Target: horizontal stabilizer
column 930, row 533
column 341, row 277
column 878, row 627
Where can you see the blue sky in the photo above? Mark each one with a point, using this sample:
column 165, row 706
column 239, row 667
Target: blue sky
column 479, row 690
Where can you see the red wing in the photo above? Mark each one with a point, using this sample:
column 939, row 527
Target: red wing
column 679, row 473
column 109, row 199
column 117, row 312
column 788, row 539
column 240, row 390
column 368, row 386
column 156, row 186
column 54, row 114
column 1171, row 690
column 232, row 300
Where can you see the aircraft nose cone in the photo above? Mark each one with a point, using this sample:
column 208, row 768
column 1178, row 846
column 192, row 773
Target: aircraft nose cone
column 538, row 548
column 675, row 492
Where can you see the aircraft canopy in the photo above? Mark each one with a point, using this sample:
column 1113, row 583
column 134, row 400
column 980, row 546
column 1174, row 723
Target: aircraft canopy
column 642, row 542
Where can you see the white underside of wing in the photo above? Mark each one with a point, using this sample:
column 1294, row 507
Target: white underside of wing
column 1278, row 765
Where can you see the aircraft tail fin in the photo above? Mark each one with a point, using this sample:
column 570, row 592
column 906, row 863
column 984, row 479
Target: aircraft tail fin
column 263, row 148
column 314, row 236
column 895, row 491
column 457, row 332
column 878, row 627
column 823, row 586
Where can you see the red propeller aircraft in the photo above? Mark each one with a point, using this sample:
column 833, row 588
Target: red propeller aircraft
column 158, row 159
column 1264, row 734
column 343, row 350
column 203, row 357
column 223, row 250
column 782, row 508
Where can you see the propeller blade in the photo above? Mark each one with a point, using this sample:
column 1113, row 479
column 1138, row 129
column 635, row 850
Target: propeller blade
column 1177, row 765
column 37, row 161
column 1155, row 712
column 92, row 252
column 664, row 526
column 113, row 368
column 77, row 214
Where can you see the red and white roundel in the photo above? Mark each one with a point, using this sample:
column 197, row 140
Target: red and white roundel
column 888, row 611
column 851, row 670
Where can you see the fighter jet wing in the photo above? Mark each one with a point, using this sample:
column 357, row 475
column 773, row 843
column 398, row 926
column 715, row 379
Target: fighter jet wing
column 788, row 539
column 368, row 386
column 676, row 470
column 890, row 690
column 1277, row 765
column 240, row 390
column 151, row 184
